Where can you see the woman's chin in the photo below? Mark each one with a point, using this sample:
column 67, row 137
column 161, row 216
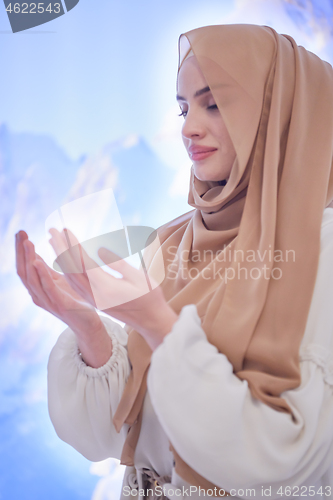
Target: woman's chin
column 210, row 173
column 206, row 176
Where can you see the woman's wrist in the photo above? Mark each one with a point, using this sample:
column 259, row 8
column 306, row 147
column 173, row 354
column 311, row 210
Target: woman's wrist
column 159, row 325
column 94, row 343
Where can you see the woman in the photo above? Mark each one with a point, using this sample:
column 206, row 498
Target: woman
column 236, row 345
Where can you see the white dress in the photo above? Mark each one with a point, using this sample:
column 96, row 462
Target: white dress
column 195, row 401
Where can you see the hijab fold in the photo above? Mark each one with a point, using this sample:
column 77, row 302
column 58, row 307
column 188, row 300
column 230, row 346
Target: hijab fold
column 247, row 254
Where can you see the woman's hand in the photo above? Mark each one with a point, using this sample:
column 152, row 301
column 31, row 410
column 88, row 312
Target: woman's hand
column 127, row 299
column 50, row 291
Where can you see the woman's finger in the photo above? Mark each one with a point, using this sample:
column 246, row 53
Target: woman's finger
column 62, row 303
column 53, row 273
column 87, row 261
column 33, row 284
column 118, row 264
column 66, row 245
column 77, row 280
column 68, row 258
column 70, row 261
column 50, row 270
column 20, row 255
column 58, row 277
column 58, row 241
column 45, row 279
column 49, row 287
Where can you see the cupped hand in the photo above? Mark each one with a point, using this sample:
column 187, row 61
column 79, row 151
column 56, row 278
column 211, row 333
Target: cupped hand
column 50, row 290
column 129, row 299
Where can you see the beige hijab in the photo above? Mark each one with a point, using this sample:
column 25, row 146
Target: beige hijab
column 276, row 99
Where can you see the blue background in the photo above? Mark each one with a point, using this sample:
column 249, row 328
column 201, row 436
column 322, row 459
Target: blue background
column 88, row 101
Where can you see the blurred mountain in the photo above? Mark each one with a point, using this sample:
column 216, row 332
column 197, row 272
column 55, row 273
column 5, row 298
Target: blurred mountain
column 139, row 179
column 36, row 178
column 35, row 174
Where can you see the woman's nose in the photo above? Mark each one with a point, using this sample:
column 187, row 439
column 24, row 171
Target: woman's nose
column 193, row 126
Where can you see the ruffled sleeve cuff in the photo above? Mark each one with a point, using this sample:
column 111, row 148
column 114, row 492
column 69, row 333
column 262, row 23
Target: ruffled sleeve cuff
column 82, row 400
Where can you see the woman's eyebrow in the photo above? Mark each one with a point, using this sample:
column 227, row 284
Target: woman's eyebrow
column 198, row 92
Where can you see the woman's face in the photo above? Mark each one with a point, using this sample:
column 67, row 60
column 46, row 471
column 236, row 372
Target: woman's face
column 204, row 133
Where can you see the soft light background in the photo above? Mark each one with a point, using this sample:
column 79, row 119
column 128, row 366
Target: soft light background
column 88, row 102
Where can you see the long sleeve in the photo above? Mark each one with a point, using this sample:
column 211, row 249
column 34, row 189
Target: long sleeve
column 82, row 400
column 220, row 430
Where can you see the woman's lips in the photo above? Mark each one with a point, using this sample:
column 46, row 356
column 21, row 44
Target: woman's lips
column 201, row 155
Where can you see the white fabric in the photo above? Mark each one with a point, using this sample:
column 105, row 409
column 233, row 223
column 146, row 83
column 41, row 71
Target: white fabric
column 234, row 441
column 82, row 399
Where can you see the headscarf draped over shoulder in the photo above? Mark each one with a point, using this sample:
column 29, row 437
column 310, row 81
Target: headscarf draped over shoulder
column 247, row 255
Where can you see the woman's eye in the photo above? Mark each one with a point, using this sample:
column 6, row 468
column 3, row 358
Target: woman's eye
column 183, row 113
